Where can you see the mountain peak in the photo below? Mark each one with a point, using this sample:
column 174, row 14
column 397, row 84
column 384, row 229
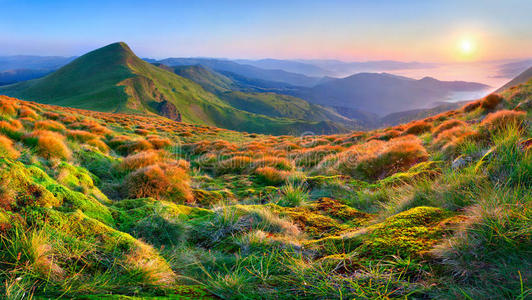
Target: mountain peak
column 118, row 47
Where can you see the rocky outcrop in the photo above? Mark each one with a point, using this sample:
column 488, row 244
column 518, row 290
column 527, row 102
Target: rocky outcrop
column 169, row 110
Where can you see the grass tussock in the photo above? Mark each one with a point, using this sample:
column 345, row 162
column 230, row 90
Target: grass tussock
column 160, row 181
column 49, row 144
column 8, row 106
column 49, row 125
column 7, row 149
column 448, row 124
column 501, row 119
column 417, row 128
column 490, row 101
column 378, row 159
column 26, row 112
column 271, row 176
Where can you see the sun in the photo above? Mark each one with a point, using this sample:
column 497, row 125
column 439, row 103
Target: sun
column 467, row 47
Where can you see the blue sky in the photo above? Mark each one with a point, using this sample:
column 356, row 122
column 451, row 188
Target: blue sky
column 348, row 30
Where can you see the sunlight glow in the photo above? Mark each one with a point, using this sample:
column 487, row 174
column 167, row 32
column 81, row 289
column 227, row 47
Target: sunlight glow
column 467, row 47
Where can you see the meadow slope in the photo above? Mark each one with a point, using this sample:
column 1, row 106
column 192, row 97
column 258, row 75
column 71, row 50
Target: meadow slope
column 96, row 205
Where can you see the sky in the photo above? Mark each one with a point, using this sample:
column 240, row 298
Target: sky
column 407, row 30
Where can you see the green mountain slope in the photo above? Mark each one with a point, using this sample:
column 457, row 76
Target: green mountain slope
column 521, row 78
column 265, row 103
column 114, row 79
column 210, row 80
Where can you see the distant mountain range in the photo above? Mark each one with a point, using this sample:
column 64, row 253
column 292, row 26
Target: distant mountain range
column 17, row 75
column 25, row 67
column 227, row 66
column 333, row 68
column 382, row 93
column 33, row 62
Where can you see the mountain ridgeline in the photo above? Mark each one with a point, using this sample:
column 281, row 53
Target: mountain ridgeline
column 114, row 79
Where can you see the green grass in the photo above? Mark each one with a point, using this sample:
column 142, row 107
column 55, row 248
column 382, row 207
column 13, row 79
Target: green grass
column 429, row 230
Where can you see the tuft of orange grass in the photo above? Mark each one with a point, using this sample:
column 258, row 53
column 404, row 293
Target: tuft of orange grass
column 275, row 162
column 386, row 135
column 141, row 159
column 141, row 131
column 159, row 142
column 92, row 126
column 81, row 135
column 471, row 106
column 309, row 157
column 49, row 144
column 161, row 181
column 235, row 164
column 134, row 146
column 8, row 107
column 417, row 127
column 271, row 175
column 69, row 119
column 451, row 148
column 7, row 149
column 98, row 144
column 451, row 134
column 51, row 115
column 376, row 159
column 448, row 125
column 49, row 125
column 490, row 101
column 501, row 119
column 10, row 128
column 26, row 112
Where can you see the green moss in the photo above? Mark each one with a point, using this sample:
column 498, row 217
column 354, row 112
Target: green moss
column 208, row 198
column 334, row 244
column 340, row 211
column 179, row 292
column 309, row 221
column 24, row 186
column 128, row 212
column 30, row 186
column 412, row 232
column 75, row 200
column 427, row 169
column 101, row 247
column 101, row 165
column 79, row 179
column 320, row 180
